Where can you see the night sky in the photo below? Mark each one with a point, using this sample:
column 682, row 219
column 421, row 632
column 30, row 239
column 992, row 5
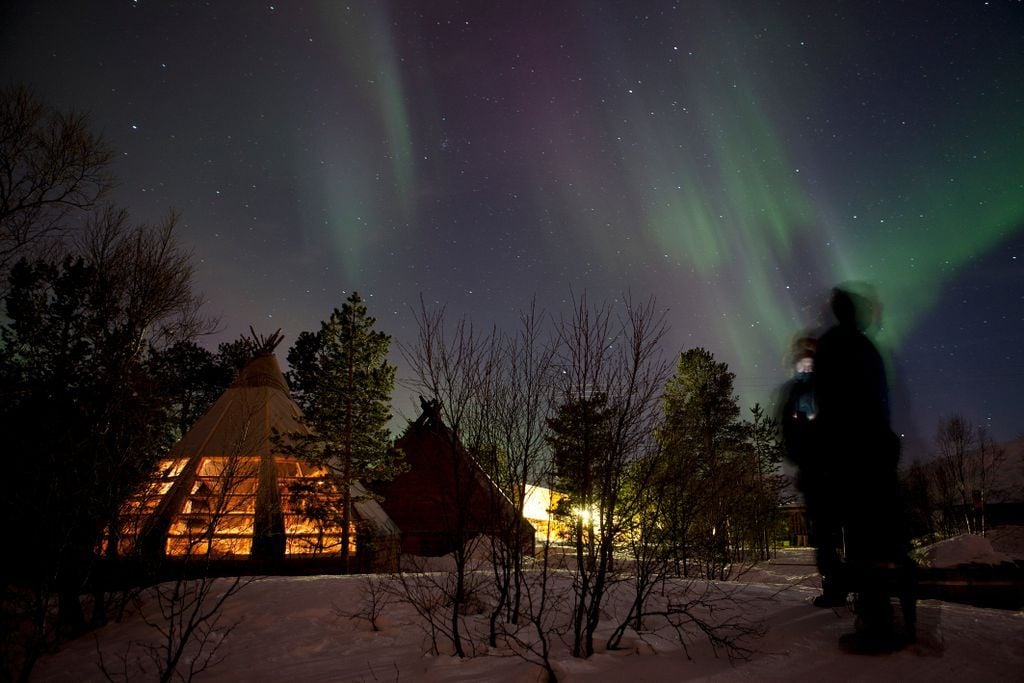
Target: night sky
column 733, row 159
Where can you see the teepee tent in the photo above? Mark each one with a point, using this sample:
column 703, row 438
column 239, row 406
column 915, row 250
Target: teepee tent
column 226, row 490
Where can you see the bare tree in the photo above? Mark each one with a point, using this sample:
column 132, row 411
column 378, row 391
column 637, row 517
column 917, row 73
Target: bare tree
column 456, row 367
column 377, row 593
column 148, row 275
column 443, row 599
column 988, row 460
column 52, row 169
column 965, row 475
column 543, row 604
column 706, row 610
column 688, row 605
column 187, row 617
column 190, row 628
column 517, row 454
column 919, row 485
column 186, row 613
column 648, row 542
column 955, row 439
column 610, row 380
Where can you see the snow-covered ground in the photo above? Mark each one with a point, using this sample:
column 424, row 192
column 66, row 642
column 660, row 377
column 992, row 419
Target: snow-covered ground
column 299, row 629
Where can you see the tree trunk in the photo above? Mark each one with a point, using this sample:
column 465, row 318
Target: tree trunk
column 346, row 515
column 458, row 598
column 581, row 607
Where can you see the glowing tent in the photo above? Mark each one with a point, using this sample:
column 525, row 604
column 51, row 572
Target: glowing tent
column 226, row 491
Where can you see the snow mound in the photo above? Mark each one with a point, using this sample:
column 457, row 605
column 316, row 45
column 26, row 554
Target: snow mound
column 961, row 550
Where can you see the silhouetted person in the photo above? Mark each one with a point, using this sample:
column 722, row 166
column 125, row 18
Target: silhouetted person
column 853, row 419
column 816, row 474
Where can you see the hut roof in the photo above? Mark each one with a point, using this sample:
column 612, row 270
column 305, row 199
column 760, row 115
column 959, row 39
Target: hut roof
column 445, row 497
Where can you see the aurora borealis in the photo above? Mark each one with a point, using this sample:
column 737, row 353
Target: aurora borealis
column 733, row 159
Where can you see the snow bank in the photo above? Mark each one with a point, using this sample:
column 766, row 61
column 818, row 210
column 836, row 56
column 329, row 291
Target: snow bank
column 961, row 550
column 308, row 629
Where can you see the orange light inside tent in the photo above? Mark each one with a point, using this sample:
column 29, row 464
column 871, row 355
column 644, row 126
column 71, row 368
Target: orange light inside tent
column 219, row 513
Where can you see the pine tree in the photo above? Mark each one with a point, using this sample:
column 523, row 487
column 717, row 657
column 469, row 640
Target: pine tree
column 700, row 437
column 341, row 379
column 83, row 415
column 190, row 377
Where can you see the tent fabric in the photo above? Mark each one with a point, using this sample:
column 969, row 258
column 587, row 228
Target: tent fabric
column 243, row 417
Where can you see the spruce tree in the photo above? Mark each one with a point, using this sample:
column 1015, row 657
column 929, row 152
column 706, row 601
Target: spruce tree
column 341, row 379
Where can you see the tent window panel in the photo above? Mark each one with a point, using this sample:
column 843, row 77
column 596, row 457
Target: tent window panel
column 208, row 497
column 149, row 505
column 190, row 525
column 218, row 546
column 210, row 486
column 246, row 486
column 308, row 506
column 288, row 506
column 288, row 469
column 156, row 488
column 128, row 530
column 139, row 506
column 197, row 524
column 232, row 504
column 235, row 524
column 313, row 544
column 130, row 525
column 152, row 491
column 210, row 467
column 293, row 468
column 307, row 469
column 170, row 469
column 297, row 524
column 234, row 467
column 195, row 506
column 185, row 545
column 231, row 546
